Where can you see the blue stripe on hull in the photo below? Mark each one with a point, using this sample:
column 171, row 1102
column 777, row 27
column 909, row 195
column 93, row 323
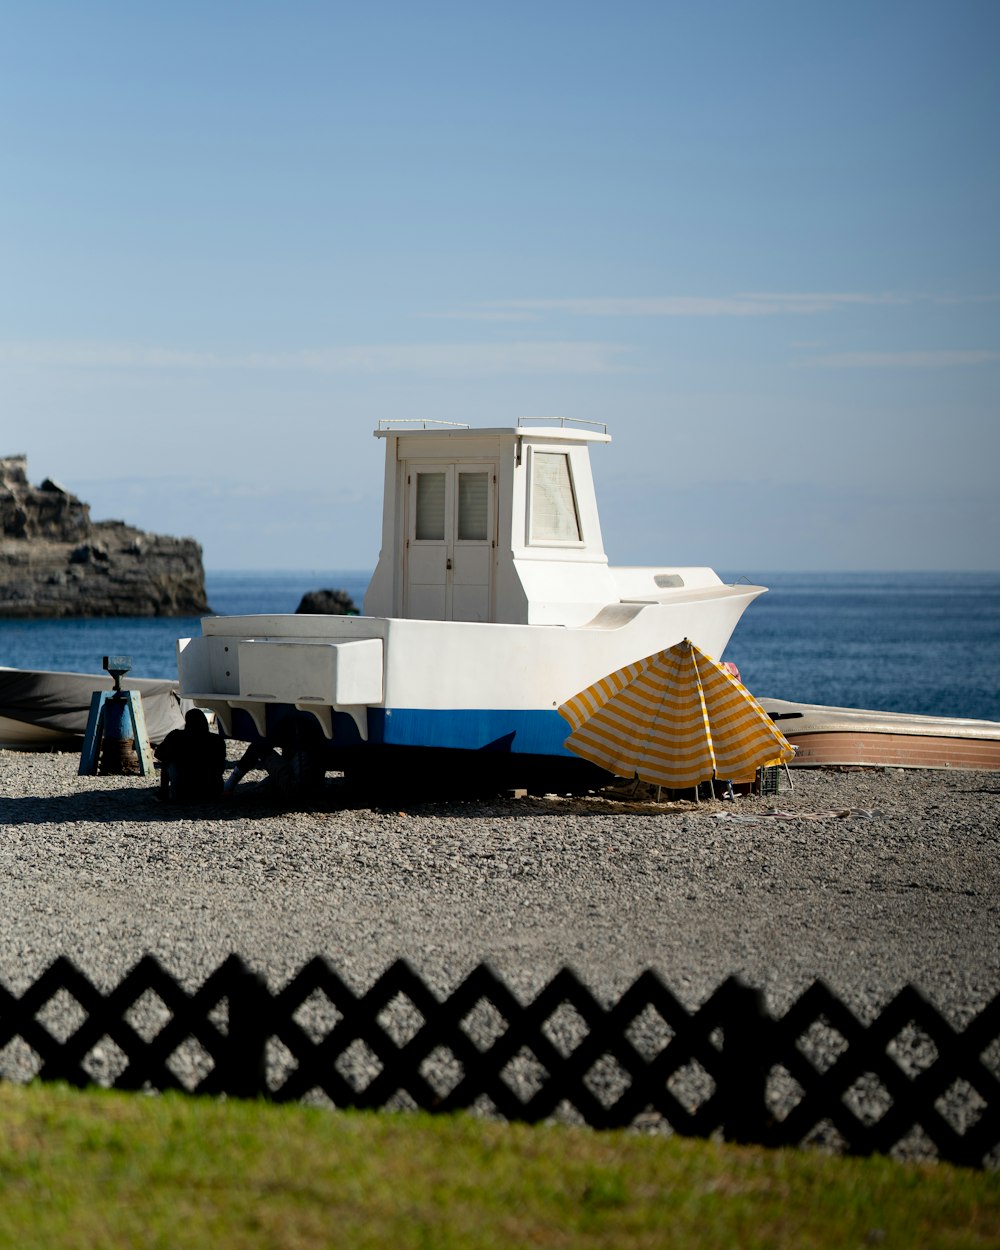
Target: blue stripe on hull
column 520, row 732
column 524, row 731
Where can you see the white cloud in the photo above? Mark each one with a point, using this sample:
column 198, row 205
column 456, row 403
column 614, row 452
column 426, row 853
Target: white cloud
column 741, row 304
column 901, row 360
column 454, row 358
column 753, row 304
column 103, row 355
column 430, row 359
column 517, row 314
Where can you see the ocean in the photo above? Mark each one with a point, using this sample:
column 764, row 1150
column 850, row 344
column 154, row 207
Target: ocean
column 898, row 642
column 925, row 643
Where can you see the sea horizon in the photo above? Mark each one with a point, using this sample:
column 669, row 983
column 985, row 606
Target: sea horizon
column 917, row 641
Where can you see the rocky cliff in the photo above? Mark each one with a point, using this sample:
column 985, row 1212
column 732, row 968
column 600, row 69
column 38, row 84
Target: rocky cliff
column 56, row 561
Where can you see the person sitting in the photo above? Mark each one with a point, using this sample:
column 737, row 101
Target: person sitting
column 192, row 761
column 292, row 757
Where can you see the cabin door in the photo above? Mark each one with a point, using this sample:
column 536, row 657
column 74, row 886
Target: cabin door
column 451, row 535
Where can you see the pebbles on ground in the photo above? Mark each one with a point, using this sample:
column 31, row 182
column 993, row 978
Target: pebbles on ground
column 869, row 879
column 903, row 887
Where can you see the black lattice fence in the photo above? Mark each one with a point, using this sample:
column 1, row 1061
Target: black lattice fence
column 908, row 1080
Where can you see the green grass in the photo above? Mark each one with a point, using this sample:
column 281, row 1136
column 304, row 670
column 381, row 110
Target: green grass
column 100, row 1169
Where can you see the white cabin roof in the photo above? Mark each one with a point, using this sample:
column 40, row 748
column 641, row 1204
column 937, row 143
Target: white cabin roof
column 551, row 429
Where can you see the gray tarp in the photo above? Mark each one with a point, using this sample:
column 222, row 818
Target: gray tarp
column 61, row 701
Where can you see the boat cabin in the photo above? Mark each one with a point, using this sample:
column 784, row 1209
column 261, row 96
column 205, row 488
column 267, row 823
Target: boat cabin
column 491, row 525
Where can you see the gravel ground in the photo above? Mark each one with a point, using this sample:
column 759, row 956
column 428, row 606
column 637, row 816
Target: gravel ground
column 869, row 879
column 873, row 879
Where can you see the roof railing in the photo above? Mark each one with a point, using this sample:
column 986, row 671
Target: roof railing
column 565, row 422
column 421, row 423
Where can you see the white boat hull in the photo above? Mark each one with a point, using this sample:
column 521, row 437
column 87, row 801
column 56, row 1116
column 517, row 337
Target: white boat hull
column 381, row 681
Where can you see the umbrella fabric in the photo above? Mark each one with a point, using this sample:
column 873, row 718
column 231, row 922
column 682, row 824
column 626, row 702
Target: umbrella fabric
column 673, row 719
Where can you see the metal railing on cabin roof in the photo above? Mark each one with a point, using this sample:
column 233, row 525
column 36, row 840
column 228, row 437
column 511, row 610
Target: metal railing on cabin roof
column 420, row 422
column 565, row 422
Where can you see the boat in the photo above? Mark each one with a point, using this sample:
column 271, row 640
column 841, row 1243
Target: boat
column 827, row 737
column 492, row 603
column 48, row 711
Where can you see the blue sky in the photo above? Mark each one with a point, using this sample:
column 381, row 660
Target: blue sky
column 759, row 240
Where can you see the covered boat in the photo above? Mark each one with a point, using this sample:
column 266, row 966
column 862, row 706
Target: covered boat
column 41, row 710
column 492, row 603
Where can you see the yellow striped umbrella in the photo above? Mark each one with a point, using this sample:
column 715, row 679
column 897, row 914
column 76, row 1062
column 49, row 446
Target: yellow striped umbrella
column 673, row 719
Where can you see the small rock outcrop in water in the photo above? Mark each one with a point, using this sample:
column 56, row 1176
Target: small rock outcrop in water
column 327, row 603
column 56, row 562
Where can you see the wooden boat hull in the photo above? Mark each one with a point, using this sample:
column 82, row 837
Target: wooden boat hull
column 827, row 737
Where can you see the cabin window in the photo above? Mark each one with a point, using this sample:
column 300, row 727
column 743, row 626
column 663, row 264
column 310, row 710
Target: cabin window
column 473, row 505
column 430, row 507
column 554, row 514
